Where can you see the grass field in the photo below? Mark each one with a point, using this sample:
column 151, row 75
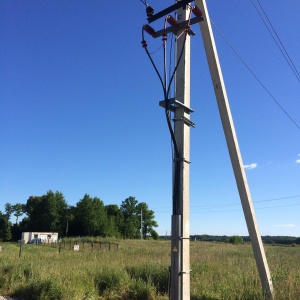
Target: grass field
column 139, row 270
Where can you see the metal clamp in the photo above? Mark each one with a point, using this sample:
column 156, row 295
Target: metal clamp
column 181, row 159
column 186, row 121
column 186, row 272
column 173, row 104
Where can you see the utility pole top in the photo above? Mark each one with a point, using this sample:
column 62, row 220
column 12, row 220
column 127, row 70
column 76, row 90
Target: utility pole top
column 168, row 10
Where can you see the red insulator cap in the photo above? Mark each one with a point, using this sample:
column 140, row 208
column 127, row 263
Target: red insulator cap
column 149, row 29
column 172, row 21
column 197, row 12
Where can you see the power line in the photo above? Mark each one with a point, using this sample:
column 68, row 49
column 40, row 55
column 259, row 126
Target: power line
column 255, row 76
column 224, row 205
column 258, row 201
column 233, row 210
column 144, row 2
column 276, row 199
column 278, row 42
column 256, row 208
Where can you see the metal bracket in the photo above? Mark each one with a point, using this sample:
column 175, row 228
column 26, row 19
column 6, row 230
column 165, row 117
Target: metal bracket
column 186, row 121
column 184, row 160
column 186, row 272
column 180, row 26
column 174, row 104
column 168, row 10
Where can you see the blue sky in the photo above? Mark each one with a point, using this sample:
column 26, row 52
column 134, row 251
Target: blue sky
column 79, row 111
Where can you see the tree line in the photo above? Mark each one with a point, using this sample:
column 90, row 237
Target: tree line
column 278, row 240
column 89, row 217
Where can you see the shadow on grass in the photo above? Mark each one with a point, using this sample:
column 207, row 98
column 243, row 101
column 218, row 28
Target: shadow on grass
column 47, row 290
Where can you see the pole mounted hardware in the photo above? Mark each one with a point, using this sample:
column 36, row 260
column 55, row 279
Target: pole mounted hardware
column 180, row 26
column 168, row 10
column 174, row 104
column 186, row 272
column 149, row 11
column 186, row 121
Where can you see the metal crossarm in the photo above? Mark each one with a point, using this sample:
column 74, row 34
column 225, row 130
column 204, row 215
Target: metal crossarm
column 168, row 10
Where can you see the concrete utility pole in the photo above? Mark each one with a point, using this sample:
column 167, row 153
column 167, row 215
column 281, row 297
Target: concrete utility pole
column 234, row 151
column 180, row 246
column 180, row 235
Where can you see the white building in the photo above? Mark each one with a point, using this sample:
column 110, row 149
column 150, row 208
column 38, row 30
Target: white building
column 39, row 237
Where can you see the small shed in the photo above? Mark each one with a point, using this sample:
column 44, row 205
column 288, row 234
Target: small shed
column 39, row 237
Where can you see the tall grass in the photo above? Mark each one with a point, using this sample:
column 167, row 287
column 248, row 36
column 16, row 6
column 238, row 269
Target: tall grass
column 139, row 270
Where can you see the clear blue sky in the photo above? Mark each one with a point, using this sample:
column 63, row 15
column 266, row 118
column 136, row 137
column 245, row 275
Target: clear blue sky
column 79, row 111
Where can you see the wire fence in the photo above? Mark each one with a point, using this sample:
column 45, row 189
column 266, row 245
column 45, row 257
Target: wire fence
column 80, row 245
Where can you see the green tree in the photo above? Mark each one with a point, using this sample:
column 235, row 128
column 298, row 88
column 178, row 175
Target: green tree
column 131, row 227
column 18, row 210
column 46, row 212
column 90, row 216
column 131, row 222
column 70, row 211
column 148, row 220
column 8, row 210
column 114, row 220
column 5, row 227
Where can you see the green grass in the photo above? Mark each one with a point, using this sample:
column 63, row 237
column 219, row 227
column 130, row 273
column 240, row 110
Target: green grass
column 139, row 270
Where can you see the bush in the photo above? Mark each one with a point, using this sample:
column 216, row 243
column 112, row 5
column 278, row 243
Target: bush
column 155, row 275
column 140, row 290
column 46, row 290
column 110, row 279
column 235, row 239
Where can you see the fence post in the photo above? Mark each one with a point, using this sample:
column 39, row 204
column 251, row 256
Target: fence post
column 20, row 252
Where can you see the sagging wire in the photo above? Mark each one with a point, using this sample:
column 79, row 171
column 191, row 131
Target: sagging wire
column 144, row 45
column 177, row 159
column 166, row 90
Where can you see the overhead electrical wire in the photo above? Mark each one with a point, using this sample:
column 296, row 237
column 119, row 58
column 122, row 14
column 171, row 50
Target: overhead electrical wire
column 212, row 207
column 166, row 90
column 257, row 201
column 256, row 77
column 193, row 211
column 256, row 208
column 170, row 67
column 144, row 2
column 276, row 39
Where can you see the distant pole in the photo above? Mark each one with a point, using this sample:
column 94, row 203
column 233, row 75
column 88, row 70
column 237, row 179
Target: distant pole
column 20, row 251
column 67, row 228
column 234, row 151
column 141, row 224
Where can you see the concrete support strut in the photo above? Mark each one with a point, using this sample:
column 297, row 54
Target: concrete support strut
column 234, row 151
